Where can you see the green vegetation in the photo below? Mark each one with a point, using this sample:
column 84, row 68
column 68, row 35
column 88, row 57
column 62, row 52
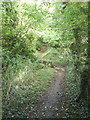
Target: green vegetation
column 34, row 37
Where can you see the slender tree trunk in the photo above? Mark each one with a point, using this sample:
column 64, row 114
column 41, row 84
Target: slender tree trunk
column 76, row 52
column 88, row 51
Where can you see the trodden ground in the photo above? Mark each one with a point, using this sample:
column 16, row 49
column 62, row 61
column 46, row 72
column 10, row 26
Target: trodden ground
column 50, row 103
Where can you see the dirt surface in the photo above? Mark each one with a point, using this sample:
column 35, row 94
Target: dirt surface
column 50, row 103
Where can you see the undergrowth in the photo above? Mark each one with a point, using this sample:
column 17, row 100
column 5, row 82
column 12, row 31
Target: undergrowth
column 71, row 108
column 25, row 89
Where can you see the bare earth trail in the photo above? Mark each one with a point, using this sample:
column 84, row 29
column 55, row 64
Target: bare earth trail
column 50, row 103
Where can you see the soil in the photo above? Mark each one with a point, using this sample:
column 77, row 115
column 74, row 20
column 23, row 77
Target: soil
column 50, row 103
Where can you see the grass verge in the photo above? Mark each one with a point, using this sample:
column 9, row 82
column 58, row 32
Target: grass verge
column 24, row 93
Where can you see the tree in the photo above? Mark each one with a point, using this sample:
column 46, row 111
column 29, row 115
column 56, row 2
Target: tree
column 74, row 23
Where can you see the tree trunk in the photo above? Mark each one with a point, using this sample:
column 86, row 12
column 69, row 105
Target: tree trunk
column 88, row 51
column 85, row 76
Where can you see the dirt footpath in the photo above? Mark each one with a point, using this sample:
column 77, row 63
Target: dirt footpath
column 50, row 103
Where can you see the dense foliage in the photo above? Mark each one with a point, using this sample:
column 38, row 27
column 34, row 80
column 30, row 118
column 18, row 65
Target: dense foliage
column 34, row 36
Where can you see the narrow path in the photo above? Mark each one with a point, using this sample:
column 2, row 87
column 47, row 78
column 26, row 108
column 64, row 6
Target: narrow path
column 49, row 105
